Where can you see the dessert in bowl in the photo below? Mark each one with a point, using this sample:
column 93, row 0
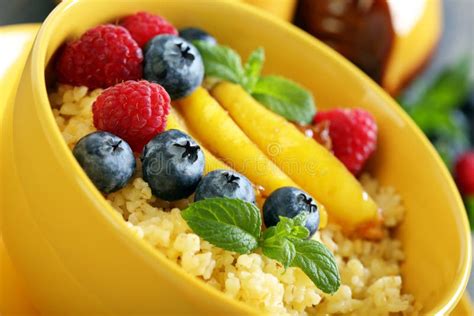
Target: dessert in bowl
column 95, row 262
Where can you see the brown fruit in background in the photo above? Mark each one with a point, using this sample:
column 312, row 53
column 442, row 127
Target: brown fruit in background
column 390, row 41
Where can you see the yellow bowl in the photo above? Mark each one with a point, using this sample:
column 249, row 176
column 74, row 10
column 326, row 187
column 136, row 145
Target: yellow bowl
column 19, row 39
column 74, row 250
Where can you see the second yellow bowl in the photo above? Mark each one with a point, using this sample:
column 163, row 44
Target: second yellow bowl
column 75, row 251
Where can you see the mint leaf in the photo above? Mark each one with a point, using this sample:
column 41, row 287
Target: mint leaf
column 284, row 226
column 293, row 227
column 280, row 95
column 234, row 225
column 288, row 228
column 230, row 224
column 221, row 62
column 288, row 240
column 269, row 232
column 286, row 98
column 281, row 250
column 300, row 219
column 318, row 263
column 300, row 232
column 253, row 68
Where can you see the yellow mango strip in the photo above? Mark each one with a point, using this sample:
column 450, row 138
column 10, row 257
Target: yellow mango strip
column 211, row 162
column 216, row 129
column 308, row 163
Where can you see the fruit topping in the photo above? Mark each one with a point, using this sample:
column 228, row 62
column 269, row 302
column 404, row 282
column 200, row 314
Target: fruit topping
column 235, row 225
column 196, row 34
column 213, row 125
column 173, row 165
column 311, row 166
column 133, row 110
column 174, row 63
column 143, row 26
column 290, row 202
column 225, row 183
column 353, row 135
column 282, row 96
column 107, row 159
column 103, row 56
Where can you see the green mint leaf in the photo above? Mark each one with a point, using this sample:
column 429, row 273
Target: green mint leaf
column 300, row 232
column 318, row 263
column 286, row 98
column 284, row 226
column 300, row 219
column 275, row 243
column 280, row 95
column 230, row 224
column 288, row 227
column 268, row 233
column 253, row 68
column 221, row 62
column 281, row 250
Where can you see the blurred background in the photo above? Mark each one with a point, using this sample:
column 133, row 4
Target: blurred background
column 419, row 51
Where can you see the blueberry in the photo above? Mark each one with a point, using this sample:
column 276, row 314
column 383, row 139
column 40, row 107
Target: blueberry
column 225, row 183
column 107, row 159
column 173, row 165
column 196, row 34
column 289, row 202
column 173, row 63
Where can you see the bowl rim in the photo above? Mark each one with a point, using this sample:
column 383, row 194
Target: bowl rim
column 47, row 122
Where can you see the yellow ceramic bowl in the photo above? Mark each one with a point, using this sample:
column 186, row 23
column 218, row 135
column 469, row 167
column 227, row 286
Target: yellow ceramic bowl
column 75, row 251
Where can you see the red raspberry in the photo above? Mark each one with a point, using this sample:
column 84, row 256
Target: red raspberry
column 464, row 173
column 103, row 56
column 353, row 135
column 133, row 110
column 144, row 26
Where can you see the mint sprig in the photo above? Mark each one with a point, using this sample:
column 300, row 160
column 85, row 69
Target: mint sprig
column 221, row 62
column 281, row 250
column 230, row 224
column 276, row 241
column 318, row 263
column 253, row 68
column 234, row 225
column 286, row 98
column 280, row 95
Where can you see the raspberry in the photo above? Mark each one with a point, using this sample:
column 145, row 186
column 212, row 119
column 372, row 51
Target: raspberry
column 144, row 26
column 133, row 110
column 464, row 173
column 103, row 56
column 353, row 135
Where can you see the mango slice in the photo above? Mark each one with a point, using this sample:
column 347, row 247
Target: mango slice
column 308, row 163
column 212, row 163
column 222, row 136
